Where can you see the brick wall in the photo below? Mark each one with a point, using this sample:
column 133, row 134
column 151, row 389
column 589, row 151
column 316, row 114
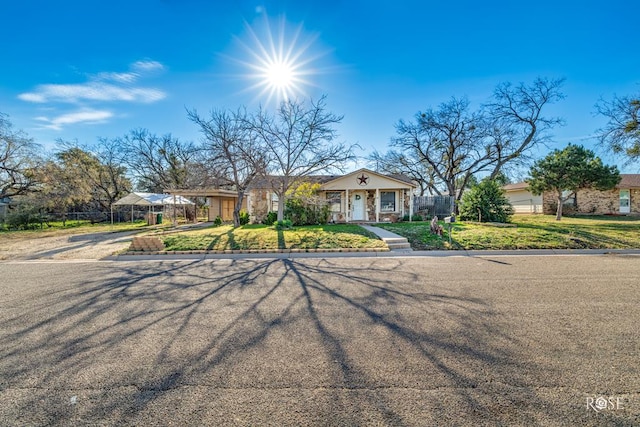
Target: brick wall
column 594, row 202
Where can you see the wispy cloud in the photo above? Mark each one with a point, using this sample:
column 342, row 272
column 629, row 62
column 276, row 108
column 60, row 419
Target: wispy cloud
column 92, row 91
column 107, row 86
column 141, row 66
column 86, row 116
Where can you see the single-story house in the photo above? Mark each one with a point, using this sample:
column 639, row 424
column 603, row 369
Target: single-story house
column 360, row 196
column 219, row 202
column 623, row 199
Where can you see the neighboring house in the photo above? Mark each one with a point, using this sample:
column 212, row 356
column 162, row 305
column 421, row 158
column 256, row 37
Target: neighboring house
column 623, row 199
column 360, row 196
column 219, row 202
column 521, row 199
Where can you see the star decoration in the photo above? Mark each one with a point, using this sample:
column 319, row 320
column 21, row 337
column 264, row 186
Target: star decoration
column 362, row 179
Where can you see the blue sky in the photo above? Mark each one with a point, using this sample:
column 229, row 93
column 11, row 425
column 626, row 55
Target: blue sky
column 88, row 69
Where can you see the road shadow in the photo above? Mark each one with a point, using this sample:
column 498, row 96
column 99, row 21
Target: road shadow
column 341, row 345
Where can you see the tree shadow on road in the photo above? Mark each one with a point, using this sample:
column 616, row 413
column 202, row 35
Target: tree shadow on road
column 358, row 343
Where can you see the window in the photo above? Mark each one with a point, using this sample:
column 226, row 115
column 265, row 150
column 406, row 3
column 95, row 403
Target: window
column 387, row 201
column 274, row 202
column 334, row 200
column 625, row 199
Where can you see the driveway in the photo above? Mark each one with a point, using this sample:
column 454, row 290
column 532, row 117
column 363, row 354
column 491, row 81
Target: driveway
column 343, row 341
column 63, row 246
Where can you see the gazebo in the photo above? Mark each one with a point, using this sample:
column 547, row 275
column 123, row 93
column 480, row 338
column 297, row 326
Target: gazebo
column 150, row 200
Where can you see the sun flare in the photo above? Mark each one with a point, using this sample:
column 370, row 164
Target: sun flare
column 278, row 63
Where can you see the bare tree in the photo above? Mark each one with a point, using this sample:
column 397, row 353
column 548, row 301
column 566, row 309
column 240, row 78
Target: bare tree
column 158, row 162
column 517, row 123
column 451, row 141
column 621, row 134
column 299, row 140
column 399, row 163
column 18, row 161
column 232, row 150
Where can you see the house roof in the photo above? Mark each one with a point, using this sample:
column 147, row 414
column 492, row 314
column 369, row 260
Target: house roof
column 203, row 192
column 629, row 180
column 152, row 199
column 264, row 182
column 516, row 187
column 396, row 177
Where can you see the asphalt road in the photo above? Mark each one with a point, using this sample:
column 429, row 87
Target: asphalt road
column 513, row 340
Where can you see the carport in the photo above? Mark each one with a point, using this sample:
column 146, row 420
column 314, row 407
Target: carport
column 151, row 200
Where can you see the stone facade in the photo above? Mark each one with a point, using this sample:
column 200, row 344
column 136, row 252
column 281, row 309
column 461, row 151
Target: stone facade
column 259, row 204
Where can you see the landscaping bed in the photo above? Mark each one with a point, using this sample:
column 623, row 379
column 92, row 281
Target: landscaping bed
column 527, row 232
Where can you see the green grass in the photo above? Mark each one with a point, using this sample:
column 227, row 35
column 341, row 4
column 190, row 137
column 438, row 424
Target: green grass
column 528, row 232
column 258, row 237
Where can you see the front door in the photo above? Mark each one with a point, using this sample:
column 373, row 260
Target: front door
column 625, row 201
column 357, row 207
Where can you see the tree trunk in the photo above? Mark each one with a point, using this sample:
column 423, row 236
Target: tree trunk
column 237, row 209
column 559, row 209
column 281, row 207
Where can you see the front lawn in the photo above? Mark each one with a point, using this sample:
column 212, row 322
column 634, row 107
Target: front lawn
column 254, row 236
column 528, row 232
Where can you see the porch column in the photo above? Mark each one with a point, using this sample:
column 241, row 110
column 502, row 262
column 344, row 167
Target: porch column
column 346, row 205
column 377, row 205
column 402, row 201
column 410, row 205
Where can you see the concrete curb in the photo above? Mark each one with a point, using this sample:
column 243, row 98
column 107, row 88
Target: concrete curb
column 254, row 251
column 203, row 255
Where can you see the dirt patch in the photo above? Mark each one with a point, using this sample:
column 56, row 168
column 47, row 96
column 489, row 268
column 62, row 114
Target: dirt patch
column 18, row 246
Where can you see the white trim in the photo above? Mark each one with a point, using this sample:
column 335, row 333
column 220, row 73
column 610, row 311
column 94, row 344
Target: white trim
column 347, row 211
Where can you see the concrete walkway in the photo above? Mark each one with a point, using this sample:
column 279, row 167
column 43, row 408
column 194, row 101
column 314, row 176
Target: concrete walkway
column 395, row 242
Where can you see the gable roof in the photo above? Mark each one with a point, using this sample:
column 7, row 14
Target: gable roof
column 403, row 179
column 264, row 182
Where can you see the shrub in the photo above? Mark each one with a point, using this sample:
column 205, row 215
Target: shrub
column 271, row 218
column 284, row 225
column 25, row 219
column 217, row 221
column 416, row 217
column 486, row 202
column 307, row 211
column 405, row 218
column 244, row 217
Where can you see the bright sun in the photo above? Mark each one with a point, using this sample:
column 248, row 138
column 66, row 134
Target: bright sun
column 280, row 75
column 278, row 64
